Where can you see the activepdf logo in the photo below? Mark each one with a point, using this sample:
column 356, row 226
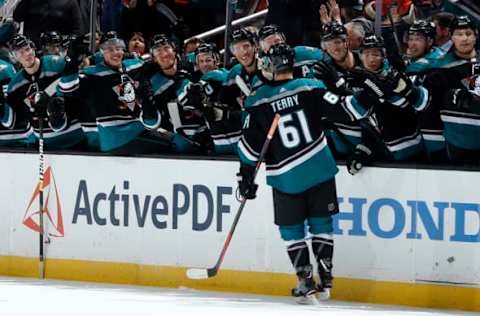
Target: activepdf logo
column 51, row 208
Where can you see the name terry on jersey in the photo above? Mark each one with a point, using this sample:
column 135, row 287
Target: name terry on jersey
column 284, row 103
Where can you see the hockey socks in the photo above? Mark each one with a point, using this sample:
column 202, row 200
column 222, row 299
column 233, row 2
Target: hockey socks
column 322, row 246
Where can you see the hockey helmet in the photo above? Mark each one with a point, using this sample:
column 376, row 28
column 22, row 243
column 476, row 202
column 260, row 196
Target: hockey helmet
column 111, row 38
column 424, row 27
column 208, row 48
column 372, row 41
column 279, row 57
column 243, row 34
column 50, row 38
column 333, row 30
column 268, row 30
column 462, row 22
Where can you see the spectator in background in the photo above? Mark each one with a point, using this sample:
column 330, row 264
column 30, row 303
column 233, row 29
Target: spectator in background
column 48, row 15
column 442, row 22
column 136, row 44
column 355, row 35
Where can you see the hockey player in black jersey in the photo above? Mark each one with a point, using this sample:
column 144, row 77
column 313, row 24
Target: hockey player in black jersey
column 455, row 88
column 37, row 75
column 170, row 83
column 395, row 112
column 338, row 74
column 239, row 81
column 300, row 166
column 305, row 56
column 117, row 114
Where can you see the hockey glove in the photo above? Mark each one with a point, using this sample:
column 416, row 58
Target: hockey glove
column 145, row 98
column 39, row 103
column 56, row 112
column 195, row 97
column 355, row 162
column 246, row 184
column 327, row 73
column 76, row 52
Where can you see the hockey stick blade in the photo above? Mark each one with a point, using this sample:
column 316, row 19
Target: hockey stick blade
column 199, row 274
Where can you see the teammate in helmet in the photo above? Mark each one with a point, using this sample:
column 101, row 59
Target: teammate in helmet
column 456, row 88
column 396, row 115
column 170, row 83
column 30, row 103
column 421, row 54
column 304, row 58
column 51, row 43
column 207, row 57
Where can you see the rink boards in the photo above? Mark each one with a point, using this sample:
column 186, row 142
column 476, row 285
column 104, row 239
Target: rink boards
column 403, row 236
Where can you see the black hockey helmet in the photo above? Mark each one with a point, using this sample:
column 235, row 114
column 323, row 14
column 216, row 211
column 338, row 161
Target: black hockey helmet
column 19, row 41
column 208, row 48
column 462, row 22
column 372, row 41
column 161, row 40
column 268, row 30
column 111, row 38
column 50, row 38
column 279, row 57
column 333, row 30
column 244, row 34
column 424, row 27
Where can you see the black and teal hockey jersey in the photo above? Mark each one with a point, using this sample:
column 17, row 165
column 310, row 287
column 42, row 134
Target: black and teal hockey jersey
column 298, row 157
column 7, row 136
column 461, row 127
column 109, row 112
column 20, row 92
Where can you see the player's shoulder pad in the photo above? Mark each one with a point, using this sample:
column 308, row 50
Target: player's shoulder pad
column 307, row 53
column 52, row 63
column 216, row 75
column 17, row 81
column 267, row 93
column 234, row 71
column 6, row 70
column 132, row 64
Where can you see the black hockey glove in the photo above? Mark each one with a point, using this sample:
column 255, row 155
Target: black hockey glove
column 195, row 97
column 76, row 52
column 462, row 100
column 327, row 73
column 398, row 84
column 356, row 160
column 246, row 184
column 39, row 103
column 56, row 111
column 145, row 98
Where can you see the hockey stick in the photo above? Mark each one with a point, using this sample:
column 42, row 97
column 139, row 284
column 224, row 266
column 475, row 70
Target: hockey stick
column 242, row 85
column 199, row 273
column 50, row 90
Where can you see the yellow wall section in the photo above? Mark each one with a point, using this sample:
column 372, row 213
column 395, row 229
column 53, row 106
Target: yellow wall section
column 369, row 291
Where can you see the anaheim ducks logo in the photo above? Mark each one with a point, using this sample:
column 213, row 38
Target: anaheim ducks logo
column 52, row 208
column 126, row 93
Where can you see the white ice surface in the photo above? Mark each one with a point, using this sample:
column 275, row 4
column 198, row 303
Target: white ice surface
column 20, row 296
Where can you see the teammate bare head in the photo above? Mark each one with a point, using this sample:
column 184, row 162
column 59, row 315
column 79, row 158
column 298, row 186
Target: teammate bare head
column 164, row 54
column 243, row 46
column 113, row 49
column 464, row 36
column 421, row 36
column 270, row 35
column 372, row 53
column 334, row 41
column 136, row 44
column 51, row 43
column 23, row 50
column 207, row 57
column 279, row 61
